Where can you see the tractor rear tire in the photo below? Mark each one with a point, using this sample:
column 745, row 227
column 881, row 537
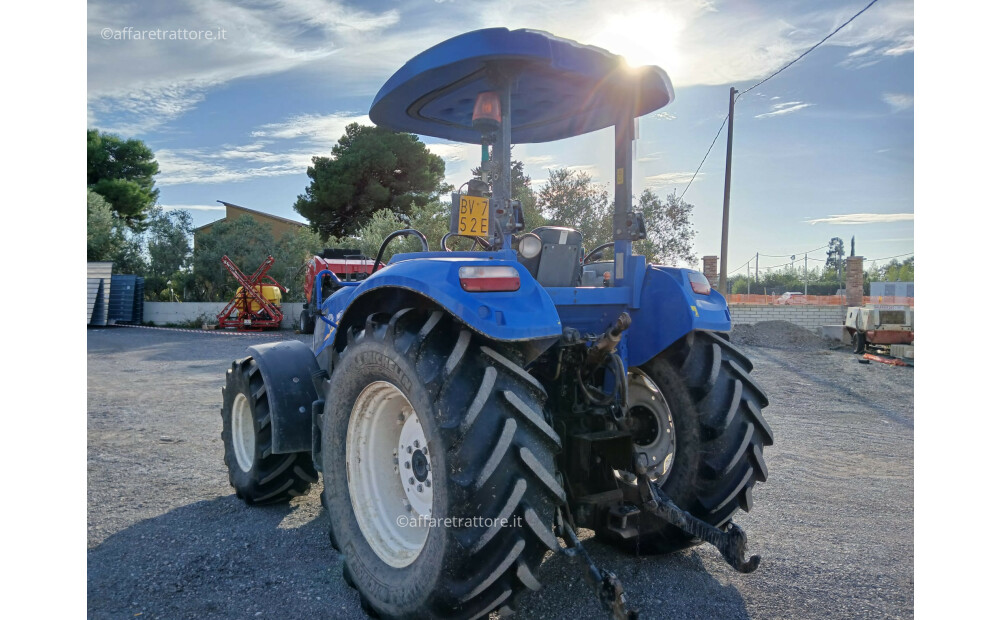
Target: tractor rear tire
column 258, row 476
column 719, row 438
column 307, row 323
column 484, row 441
column 858, row 342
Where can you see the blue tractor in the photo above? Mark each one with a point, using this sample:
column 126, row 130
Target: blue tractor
column 469, row 408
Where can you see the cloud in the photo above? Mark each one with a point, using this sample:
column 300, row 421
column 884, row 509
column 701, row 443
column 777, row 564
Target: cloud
column 227, row 165
column 535, row 160
column 854, row 219
column 455, row 152
column 784, row 108
column 144, row 109
column 589, row 169
column 750, row 41
column 324, row 129
column 280, row 149
column 898, row 101
column 140, row 86
column 192, row 207
column 136, row 85
column 669, row 178
column 277, row 149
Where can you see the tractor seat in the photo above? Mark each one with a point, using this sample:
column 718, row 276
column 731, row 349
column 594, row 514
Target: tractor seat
column 561, row 259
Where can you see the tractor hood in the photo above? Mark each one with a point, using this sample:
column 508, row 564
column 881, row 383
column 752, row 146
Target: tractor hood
column 559, row 88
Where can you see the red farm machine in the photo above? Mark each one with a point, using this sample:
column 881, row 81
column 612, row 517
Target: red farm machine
column 257, row 303
column 346, row 265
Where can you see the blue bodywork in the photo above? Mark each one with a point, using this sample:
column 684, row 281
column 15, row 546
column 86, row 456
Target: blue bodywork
column 525, row 314
column 660, row 300
column 557, row 89
column 562, row 88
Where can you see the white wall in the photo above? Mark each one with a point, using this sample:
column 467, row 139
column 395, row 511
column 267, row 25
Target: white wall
column 809, row 317
column 166, row 312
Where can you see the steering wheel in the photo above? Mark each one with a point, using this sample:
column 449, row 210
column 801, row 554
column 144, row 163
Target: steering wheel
column 407, row 232
column 598, row 250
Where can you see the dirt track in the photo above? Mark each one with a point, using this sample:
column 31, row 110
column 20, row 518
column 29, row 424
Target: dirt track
column 168, row 539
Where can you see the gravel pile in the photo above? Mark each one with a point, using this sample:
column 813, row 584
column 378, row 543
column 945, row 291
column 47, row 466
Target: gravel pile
column 778, row 335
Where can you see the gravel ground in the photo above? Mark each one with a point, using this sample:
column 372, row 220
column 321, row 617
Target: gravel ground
column 168, row 539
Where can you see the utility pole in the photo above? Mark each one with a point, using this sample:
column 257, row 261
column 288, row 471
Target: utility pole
column 840, row 262
column 756, row 269
column 807, row 273
column 725, row 199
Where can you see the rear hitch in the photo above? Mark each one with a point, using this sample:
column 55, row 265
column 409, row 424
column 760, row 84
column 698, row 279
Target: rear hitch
column 731, row 542
column 604, row 583
column 608, row 341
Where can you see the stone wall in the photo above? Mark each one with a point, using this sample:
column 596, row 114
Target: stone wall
column 855, row 275
column 710, row 267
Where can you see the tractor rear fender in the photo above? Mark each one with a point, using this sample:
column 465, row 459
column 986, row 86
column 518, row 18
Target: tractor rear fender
column 668, row 309
column 526, row 315
column 287, row 368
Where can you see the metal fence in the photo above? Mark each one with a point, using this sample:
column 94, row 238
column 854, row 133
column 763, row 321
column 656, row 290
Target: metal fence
column 813, row 300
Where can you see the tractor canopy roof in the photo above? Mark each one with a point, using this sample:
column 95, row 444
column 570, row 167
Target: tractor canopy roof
column 559, row 88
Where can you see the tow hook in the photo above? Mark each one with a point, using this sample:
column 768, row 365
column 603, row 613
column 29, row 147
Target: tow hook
column 731, row 542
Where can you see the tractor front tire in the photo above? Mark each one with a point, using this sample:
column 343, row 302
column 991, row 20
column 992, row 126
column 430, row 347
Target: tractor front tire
column 719, row 437
column 307, row 323
column 439, row 469
column 258, row 476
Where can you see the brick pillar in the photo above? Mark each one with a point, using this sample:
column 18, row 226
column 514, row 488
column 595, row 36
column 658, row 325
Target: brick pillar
column 855, row 281
column 710, row 267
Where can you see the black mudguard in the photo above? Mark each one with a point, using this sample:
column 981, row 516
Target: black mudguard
column 287, row 368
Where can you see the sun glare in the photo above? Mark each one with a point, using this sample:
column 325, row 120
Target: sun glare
column 648, row 37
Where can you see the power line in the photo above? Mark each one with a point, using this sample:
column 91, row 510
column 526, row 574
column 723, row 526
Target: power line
column 888, row 257
column 737, row 271
column 803, row 55
column 795, row 253
column 717, row 134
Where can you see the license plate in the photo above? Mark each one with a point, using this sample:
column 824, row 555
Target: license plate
column 474, row 216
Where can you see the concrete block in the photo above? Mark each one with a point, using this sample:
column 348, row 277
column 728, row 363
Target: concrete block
column 901, row 350
column 835, row 332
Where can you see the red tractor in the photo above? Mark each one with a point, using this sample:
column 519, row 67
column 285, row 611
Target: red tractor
column 347, row 265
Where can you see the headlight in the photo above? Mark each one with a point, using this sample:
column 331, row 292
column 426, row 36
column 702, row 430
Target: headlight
column 529, row 246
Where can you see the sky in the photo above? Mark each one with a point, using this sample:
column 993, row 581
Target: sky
column 824, row 149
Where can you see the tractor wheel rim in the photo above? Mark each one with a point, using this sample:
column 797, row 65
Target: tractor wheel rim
column 244, row 438
column 655, row 432
column 389, row 474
